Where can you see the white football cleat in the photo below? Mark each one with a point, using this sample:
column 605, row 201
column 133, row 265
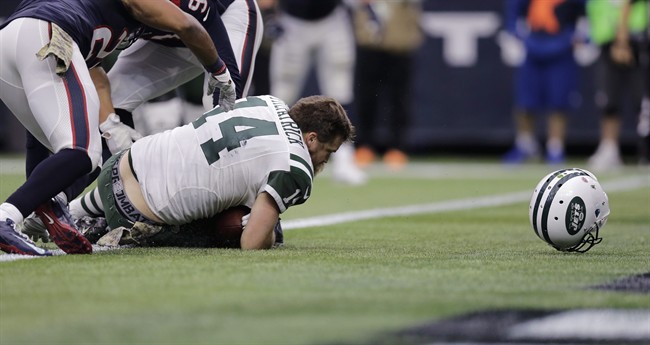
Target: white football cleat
column 606, row 158
column 344, row 167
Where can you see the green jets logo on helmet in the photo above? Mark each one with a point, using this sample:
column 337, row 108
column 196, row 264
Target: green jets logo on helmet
column 575, row 215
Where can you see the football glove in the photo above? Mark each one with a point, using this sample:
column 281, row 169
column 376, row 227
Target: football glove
column 226, row 87
column 279, row 236
column 118, row 135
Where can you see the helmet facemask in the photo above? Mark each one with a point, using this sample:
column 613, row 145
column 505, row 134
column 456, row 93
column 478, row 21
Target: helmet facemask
column 589, row 240
column 591, row 237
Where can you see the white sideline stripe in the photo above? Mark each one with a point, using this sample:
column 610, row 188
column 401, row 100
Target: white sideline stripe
column 576, row 327
column 437, row 207
column 55, row 252
column 599, row 324
column 445, row 206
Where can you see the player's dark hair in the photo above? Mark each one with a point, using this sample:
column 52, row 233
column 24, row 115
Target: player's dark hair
column 323, row 115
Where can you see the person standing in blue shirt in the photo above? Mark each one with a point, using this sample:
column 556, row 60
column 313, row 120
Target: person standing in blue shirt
column 548, row 77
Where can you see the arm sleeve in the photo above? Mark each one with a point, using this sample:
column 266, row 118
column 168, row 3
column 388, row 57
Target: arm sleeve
column 215, row 27
column 288, row 188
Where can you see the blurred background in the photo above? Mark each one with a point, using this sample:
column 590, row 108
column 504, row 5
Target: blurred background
column 461, row 92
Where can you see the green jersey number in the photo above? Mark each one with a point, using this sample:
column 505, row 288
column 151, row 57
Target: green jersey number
column 232, row 137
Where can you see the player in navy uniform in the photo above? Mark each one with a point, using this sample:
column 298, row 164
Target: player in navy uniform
column 235, row 27
column 163, row 63
column 47, row 48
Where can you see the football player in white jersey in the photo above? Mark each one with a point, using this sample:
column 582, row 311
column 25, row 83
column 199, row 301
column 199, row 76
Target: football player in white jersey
column 262, row 155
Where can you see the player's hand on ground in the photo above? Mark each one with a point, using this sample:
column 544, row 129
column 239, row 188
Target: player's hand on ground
column 226, row 86
column 277, row 229
column 118, row 135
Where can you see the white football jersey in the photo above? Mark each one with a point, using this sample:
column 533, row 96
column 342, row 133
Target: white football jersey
column 224, row 159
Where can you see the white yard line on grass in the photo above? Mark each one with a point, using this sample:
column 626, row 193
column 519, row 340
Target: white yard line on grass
column 446, row 206
column 592, row 324
column 619, row 185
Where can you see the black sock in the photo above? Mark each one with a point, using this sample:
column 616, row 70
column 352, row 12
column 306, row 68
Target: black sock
column 35, row 154
column 75, row 189
column 49, row 178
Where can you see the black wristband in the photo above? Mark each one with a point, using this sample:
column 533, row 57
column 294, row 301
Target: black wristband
column 217, row 67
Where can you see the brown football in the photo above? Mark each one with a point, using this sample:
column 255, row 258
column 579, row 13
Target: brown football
column 228, row 228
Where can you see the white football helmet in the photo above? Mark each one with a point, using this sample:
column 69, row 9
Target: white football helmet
column 568, row 208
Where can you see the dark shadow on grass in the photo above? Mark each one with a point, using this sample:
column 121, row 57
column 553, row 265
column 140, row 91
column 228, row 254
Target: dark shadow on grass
column 639, row 283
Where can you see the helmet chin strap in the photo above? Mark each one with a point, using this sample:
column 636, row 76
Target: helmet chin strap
column 591, row 239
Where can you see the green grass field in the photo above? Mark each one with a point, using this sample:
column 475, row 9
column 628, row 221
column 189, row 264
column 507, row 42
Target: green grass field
column 348, row 282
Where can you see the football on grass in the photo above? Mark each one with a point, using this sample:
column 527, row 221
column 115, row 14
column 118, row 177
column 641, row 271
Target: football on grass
column 228, row 228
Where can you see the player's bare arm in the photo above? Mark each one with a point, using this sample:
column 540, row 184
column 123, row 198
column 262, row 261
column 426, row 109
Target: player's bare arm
column 103, row 86
column 164, row 15
column 258, row 233
column 118, row 135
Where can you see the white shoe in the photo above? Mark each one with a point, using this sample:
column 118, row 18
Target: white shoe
column 344, row 167
column 351, row 175
column 156, row 117
column 606, row 158
column 192, row 111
